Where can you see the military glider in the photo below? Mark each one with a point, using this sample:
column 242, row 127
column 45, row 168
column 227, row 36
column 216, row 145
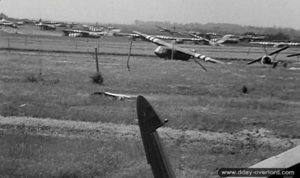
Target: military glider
column 82, row 33
column 7, row 23
column 275, row 44
column 268, row 58
column 216, row 41
column 170, row 51
column 172, row 32
column 46, row 26
column 116, row 96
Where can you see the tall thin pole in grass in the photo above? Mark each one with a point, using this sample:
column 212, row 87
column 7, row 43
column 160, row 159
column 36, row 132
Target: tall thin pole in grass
column 97, row 64
column 97, row 78
column 40, row 67
column 98, row 44
column 8, row 43
column 129, row 53
column 172, row 54
column 40, row 61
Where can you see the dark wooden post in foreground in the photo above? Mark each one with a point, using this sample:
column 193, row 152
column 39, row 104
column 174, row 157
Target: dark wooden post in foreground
column 97, row 77
column 148, row 123
column 97, row 64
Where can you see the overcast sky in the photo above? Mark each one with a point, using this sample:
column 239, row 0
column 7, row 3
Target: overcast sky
column 280, row 13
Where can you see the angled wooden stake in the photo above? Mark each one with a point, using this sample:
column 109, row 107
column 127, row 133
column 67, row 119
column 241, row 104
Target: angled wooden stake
column 129, row 53
column 97, row 64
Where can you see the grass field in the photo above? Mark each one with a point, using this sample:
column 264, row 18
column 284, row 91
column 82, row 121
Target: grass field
column 194, row 102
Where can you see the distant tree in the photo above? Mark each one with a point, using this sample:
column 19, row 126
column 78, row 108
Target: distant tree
column 274, row 33
column 250, row 33
column 279, row 37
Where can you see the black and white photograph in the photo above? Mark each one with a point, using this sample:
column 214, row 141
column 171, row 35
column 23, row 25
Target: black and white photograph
column 149, row 89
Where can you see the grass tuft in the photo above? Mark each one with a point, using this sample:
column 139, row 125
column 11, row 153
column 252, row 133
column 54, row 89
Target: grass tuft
column 33, row 78
column 245, row 90
column 97, row 78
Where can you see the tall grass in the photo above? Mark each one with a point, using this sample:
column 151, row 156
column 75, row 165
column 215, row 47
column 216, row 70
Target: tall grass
column 26, row 155
column 44, row 156
column 180, row 91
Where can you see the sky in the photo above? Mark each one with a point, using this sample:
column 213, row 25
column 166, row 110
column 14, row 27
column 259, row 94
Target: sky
column 261, row 13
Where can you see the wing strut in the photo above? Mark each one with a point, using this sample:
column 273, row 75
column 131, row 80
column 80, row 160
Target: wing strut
column 279, row 50
column 256, row 60
column 196, row 61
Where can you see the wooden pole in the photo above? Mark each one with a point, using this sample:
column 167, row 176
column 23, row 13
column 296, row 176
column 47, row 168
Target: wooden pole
column 40, row 68
column 97, row 64
column 98, row 44
column 129, row 53
column 40, row 62
column 172, row 54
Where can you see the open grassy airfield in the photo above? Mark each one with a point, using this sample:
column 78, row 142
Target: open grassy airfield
column 52, row 126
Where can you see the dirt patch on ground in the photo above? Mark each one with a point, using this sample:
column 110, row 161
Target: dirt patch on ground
column 97, row 130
